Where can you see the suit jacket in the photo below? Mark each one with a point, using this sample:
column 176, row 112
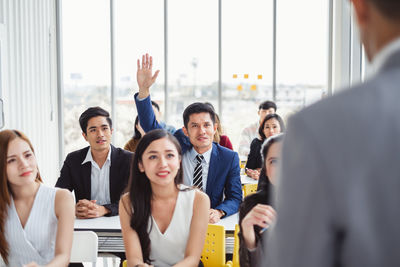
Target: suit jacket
column 76, row 176
column 339, row 192
column 223, row 173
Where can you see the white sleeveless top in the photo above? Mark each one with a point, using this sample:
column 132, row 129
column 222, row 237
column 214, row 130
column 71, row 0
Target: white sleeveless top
column 35, row 242
column 169, row 248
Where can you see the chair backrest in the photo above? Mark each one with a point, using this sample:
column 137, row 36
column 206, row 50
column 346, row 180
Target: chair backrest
column 249, row 189
column 235, row 256
column 84, row 247
column 213, row 254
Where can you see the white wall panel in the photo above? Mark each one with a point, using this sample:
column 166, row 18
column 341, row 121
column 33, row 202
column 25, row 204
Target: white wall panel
column 30, row 93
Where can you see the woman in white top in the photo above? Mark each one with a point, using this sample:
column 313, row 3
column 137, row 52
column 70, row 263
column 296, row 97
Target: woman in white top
column 163, row 222
column 36, row 222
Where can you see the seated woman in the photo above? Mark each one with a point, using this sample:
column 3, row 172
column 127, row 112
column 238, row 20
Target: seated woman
column 163, row 222
column 134, row 141
column 256, row 212
column 270, row 126
column 36, row 221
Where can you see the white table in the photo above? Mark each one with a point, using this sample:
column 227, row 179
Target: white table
column 108, row 229
column 247, row 180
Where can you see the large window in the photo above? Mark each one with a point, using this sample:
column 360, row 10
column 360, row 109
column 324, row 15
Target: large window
column 301, row 53
column 221, row 52
column 86, row 63
column 247, row 33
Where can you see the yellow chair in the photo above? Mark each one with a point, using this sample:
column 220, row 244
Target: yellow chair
column 213, row 254
column 235, row 257
column 249, row 189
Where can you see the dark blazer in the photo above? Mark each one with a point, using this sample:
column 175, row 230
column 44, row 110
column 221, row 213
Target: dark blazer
column 223, row 173
column 338, row 193
column 75, row 176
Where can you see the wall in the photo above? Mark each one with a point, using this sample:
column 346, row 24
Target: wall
column 29, row 77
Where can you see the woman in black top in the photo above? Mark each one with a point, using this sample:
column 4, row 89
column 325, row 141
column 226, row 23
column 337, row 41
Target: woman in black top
column 256, row 212
column 270, row 126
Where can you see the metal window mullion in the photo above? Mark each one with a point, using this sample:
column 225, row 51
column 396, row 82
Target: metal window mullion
column 274, row 15
column 112, row 53
column 166, row 96
column 60, row 83
column 220, row 58
column 330, row 49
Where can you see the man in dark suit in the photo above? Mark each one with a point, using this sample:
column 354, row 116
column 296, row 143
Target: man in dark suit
column 207, row 165
column 339, row 192
column 99, row 173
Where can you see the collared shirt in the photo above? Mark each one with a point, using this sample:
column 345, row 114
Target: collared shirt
column 246, row 137
column 100, row 179
column 189, row 162
column 383, row 55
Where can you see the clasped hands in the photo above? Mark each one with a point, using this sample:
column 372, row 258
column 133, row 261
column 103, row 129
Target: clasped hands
column 255, row 174
column 86, row 209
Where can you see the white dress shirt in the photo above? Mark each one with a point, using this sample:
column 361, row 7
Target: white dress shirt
column 100, row 179
column 189, row 162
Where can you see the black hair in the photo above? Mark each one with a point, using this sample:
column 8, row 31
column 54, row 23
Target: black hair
column 91, row 113
column 140, row 193
column 196, row 108
column 154, row 104
column 137, row 134
column 389, row 8
column 267, row 105
column 262, row 196
column 268, row 117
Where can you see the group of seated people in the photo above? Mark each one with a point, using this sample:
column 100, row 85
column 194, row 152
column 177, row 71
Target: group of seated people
column 166, row 192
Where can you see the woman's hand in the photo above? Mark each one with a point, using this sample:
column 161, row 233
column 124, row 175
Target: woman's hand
column 261, row 215
column 255, row 174
column 32, row 264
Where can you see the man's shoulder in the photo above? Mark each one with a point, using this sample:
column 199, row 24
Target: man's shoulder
column 77, row 155
column 224, row 152
column 121, row 153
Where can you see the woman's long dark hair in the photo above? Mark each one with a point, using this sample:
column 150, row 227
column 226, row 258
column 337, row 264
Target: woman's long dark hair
column 140, row 193
column 137, row 134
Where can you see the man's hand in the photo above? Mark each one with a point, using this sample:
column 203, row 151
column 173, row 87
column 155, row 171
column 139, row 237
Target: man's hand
column 261, row 215
column 144, row 75
column 86, row 209
column 215, row 216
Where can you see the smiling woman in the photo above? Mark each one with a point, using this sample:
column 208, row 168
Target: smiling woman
column 163, row 222
column 31, row 213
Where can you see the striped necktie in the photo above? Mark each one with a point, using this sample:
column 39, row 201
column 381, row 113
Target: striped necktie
column 198, row 173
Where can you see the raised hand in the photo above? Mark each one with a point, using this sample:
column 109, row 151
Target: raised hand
column 144, row 75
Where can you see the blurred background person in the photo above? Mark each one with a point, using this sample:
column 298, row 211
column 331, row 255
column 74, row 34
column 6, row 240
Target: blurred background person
column 250, row 132
column 134, row 141
column 270, row 126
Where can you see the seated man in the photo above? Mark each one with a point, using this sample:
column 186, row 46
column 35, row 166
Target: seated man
column 250, row 132
column 207, row 165
column 99, row 173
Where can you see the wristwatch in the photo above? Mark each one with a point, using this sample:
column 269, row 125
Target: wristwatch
column 222, row 212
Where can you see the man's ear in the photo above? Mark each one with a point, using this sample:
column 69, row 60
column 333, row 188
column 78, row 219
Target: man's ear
column 84, row 136
column 185, row 131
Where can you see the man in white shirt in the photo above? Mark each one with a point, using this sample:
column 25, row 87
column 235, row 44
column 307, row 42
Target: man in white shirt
column 339, row 191
column 251, row 131
column 99, row 173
